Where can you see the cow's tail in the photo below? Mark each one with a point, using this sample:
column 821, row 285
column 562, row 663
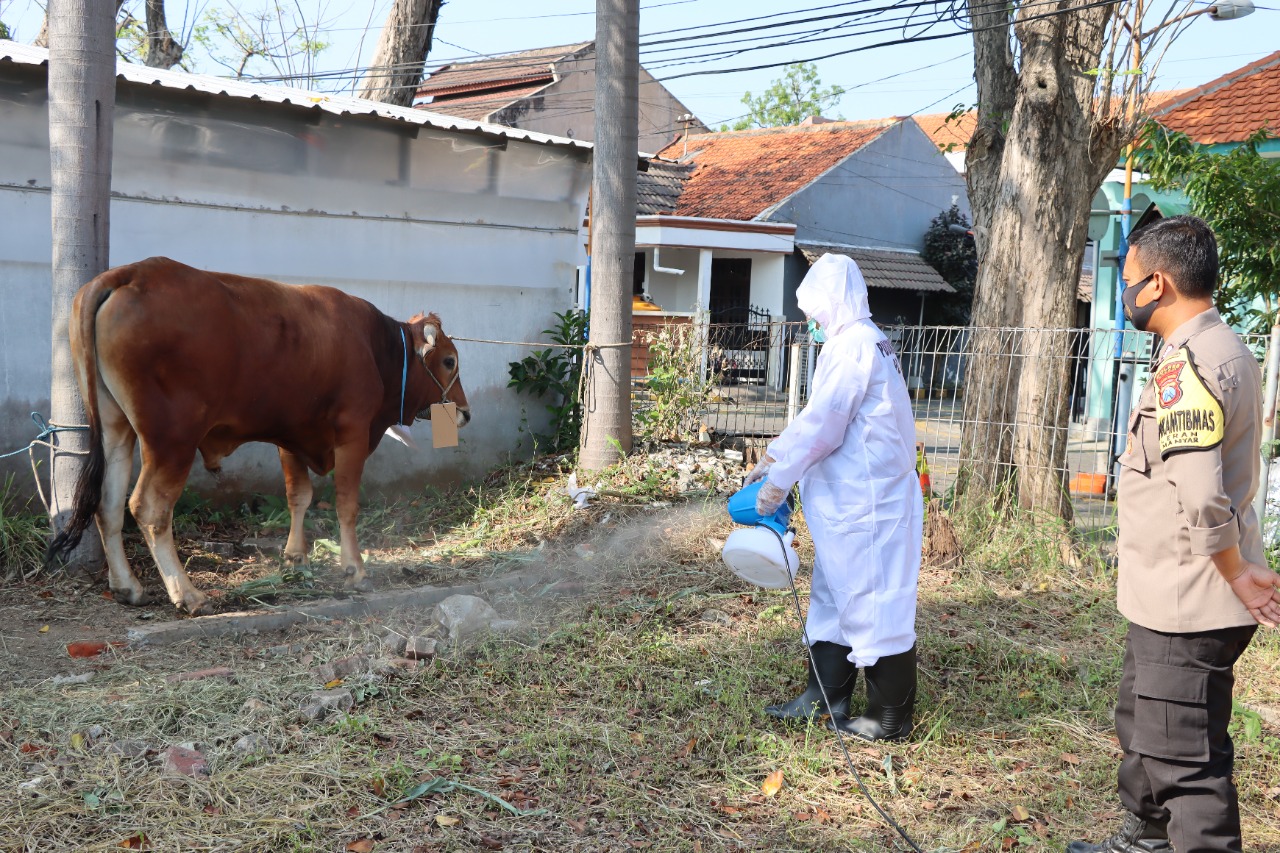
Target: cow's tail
column 89, row 485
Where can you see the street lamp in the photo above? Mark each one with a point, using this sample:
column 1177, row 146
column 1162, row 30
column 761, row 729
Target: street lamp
column 1223, row 10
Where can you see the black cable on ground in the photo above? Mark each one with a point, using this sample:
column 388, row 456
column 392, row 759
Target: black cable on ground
column 808, row 647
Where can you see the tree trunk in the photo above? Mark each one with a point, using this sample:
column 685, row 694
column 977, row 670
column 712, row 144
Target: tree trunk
column 1033, row 204
column 607, row 406
column 986, row 445
column 162, row 50
column 396, row 70
column 82, row 63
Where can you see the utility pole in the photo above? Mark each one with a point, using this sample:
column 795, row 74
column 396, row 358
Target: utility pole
column 82, row 95
column 606, row 415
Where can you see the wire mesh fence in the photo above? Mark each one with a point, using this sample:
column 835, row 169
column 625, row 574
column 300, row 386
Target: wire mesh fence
column 1051, row 404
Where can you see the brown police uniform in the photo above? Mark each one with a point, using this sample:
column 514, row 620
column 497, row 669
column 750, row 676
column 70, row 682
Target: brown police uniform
column 1189, row 474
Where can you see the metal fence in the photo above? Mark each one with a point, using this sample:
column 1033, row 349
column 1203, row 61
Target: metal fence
column 758, row 375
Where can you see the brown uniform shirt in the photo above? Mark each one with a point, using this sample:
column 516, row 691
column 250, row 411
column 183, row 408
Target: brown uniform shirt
column 1187, row 481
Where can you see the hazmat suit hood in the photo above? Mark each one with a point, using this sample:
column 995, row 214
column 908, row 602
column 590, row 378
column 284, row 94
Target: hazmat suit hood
column 834, row 293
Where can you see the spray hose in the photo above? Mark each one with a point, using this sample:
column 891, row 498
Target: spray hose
column 795, row 597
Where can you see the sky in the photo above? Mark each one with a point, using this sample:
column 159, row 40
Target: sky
column 904, row 79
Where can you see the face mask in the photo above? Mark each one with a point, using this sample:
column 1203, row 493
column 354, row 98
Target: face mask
column 1139, row 317
column 816, row 333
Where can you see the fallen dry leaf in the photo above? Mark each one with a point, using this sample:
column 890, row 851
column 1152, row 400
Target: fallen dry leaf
column 772, row 783
column 86, row 649
column 687, row 750
column 1070, row 758
column 44, row 629
column 360, row 845
column 637, row 738
column 1020, row 813
column 443, row 820
column 135, row 842
column 329, row 685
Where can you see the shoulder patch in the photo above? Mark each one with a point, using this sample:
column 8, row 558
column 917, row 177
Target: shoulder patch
column 1188, row 415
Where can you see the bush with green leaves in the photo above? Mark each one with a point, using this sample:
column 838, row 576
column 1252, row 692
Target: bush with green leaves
column 679, row 384
column 555, row 374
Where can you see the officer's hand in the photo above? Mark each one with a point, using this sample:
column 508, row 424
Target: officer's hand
column 1259, row 589
column 760, row 471
column 768, row 499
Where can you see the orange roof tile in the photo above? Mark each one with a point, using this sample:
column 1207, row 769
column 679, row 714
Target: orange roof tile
column 1231, row 108
column 949, row 134
column 740, row 174
column 953, row 133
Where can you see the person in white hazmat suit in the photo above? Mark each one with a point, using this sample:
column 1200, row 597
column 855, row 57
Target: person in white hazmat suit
column 852, row 452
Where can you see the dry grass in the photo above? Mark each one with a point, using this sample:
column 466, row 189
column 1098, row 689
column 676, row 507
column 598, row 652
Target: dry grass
column 624, row 716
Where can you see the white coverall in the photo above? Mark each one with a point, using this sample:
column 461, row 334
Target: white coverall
column 852, row 450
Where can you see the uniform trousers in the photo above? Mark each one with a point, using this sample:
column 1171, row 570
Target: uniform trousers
column 1171, row 719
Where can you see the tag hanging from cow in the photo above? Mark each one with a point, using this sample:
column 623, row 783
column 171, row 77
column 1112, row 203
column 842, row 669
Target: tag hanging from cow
column 315, row 371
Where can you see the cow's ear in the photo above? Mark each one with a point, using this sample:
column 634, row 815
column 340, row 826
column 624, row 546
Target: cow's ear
column 424, row 338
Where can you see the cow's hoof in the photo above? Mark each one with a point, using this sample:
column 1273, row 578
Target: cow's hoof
column 132, row 597
column 298, row 559
column 363, row 584
column 195, row 603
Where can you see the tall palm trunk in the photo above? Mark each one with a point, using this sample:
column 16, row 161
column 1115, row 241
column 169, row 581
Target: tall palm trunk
column 606, row 413
column 81, row 104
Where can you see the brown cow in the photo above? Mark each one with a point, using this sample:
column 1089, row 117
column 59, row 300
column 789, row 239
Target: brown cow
column 183, row 360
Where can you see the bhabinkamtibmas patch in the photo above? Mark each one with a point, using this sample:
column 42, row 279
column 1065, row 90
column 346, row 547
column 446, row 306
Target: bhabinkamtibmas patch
column 1188, row 416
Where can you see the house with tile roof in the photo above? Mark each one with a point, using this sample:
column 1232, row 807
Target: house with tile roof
column 1227, row 111
column 729, row 223
column 1221, row 114
column 548, row 90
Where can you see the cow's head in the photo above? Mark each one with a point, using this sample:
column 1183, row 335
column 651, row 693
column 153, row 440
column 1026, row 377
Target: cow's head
column 440, row 357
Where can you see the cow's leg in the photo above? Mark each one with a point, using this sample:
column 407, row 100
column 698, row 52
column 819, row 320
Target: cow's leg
column 118, row 439
column 297, row 488
column 164, row 472
column 348, row 468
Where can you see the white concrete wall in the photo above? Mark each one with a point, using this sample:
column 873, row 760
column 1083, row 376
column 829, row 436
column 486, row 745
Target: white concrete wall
column 680, row 292
column 446, row 222
column 673, row 292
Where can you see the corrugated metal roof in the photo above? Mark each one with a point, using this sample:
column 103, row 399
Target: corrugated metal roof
column 658, row 190
column 501, row 70
column 884, row 268
column 478, row 107
column 22, row 54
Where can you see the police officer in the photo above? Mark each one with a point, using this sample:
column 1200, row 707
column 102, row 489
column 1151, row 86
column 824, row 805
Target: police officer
column 852, row 452
column 1192, row 581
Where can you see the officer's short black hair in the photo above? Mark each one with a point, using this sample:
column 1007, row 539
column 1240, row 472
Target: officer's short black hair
column 1183, row 248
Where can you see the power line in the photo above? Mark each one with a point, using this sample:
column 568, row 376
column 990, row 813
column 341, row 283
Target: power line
column 889, row 43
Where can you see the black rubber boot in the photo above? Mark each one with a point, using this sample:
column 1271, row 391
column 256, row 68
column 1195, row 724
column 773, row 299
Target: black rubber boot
column 1135, row 836
column 838, row 676
column 891, row 700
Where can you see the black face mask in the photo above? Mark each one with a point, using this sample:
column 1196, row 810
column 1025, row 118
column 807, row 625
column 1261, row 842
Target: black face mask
column 1138, row 317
